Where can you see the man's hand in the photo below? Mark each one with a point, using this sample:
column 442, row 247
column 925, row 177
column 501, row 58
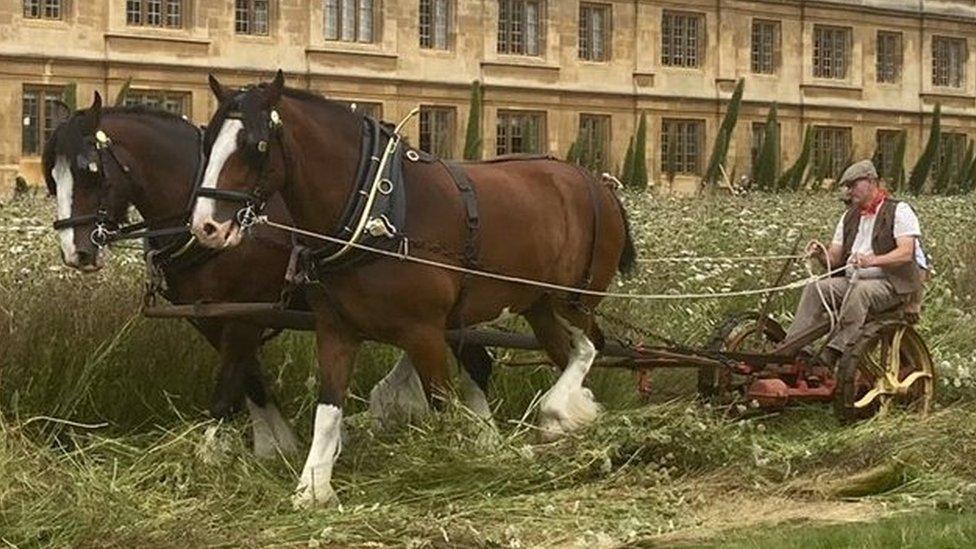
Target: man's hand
column 815, row 249
column 864, row 261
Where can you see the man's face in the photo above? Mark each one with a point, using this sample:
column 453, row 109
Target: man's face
column 862, row 191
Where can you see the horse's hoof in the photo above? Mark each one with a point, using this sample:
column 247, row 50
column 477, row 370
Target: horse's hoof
column 306, row 497
column 563, row 414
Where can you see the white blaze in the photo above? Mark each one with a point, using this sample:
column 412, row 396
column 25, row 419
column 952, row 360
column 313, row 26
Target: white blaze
column 223, row 147
column 65, row 183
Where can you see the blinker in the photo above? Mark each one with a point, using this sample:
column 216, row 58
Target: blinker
column 262, row 146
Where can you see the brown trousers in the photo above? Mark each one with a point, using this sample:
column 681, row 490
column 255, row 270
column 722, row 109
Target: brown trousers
column 866, row 296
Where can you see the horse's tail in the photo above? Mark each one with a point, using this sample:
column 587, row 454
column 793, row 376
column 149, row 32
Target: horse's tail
column 628, row 259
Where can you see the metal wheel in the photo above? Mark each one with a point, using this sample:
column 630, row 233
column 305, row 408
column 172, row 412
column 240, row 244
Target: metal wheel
column 740, row 332
column 888, row 367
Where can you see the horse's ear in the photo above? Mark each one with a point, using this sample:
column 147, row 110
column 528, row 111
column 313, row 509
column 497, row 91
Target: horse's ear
column 95, row 111
column 219, row 91
column 275, row 88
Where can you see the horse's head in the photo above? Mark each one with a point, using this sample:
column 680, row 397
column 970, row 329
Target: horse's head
column 74, row 170
column 245, row 165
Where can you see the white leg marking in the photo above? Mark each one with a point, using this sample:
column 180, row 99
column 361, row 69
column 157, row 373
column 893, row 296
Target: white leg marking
column 65, row 185
column 271, row 431
column 398, row 397
column 567, row 406
column 315, row 483
column 472, row 395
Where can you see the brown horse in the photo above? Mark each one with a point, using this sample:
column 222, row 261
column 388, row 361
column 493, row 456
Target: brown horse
column 152, row 159
column 539, row 219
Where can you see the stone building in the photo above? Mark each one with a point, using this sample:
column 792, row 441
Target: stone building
column 554, row 71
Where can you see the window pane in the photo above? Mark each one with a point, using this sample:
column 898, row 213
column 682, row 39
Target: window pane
column 331, row 19
column 348, row 29
column 532, row 28
column 365, row 20
column 261, row 17
column 241, row 17
column 441, row 24
column 30, row 133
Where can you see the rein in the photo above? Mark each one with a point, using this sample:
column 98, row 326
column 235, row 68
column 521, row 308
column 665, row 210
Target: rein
column 107, row 230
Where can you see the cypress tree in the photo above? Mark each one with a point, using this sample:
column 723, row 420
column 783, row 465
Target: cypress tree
column 640, row 155
column 572, row 155
column 962, row 170
column 720, row 149
column 792, row 178
column 898, row 178
column 472, row 138
column 765, row 171
column 628, row 175
column 920, row 173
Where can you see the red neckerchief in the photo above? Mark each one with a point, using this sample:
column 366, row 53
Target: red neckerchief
column 871, row 208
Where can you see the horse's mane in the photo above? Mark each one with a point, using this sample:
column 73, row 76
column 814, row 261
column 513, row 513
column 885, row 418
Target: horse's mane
column 154, row 112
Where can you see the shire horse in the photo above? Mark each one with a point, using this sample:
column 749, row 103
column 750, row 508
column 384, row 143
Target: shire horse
column 151, row 159
column 539, row 219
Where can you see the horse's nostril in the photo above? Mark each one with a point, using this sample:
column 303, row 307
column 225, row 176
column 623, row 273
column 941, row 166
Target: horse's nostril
column 86, row 257
column 209, row 228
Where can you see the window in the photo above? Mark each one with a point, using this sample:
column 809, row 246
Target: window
column 251, row 17
column 173, row 102
column 594, row 32
column 758, row 141
column 885, row 149
column 520, row 132
column 681, row 146
column 831, row 150
column 519, row 27
column 831, row 51
column 349, row 20
column 948, row 61
column 594, row 141
column 154, row 13
column 437, row 130
column 41, row 114
column 889, row 57
column 367, row 108
column 952, row 150
column 43, row 9
column 765, row 46
column 682, row 39
column 435, row 24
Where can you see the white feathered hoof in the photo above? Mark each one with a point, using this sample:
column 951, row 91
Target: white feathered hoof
column 562, row 412
column 312, row 495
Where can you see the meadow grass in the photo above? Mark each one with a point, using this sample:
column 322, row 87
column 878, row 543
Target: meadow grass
column 102, row 422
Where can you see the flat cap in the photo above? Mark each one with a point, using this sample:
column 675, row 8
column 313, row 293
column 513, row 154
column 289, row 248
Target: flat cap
column 858, row 170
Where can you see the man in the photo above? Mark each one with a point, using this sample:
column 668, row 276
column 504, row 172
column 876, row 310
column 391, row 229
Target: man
column 877, row 240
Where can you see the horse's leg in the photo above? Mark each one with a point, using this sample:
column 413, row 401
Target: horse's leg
column 474, row 370
column 336, row 356
column 400, row 395
column 241, row 382
column 567, row 405
column 428, row 352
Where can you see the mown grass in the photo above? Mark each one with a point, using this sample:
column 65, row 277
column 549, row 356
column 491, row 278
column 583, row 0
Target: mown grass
column 134, row 467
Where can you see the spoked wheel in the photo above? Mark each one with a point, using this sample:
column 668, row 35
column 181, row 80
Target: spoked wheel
column 888, row 367
column 741, row 332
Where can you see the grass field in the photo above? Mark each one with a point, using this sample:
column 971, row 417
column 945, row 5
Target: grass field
column 102, row 422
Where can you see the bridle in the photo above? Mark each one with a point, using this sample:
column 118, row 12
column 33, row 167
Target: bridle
column 106, row 229
column 252, row 201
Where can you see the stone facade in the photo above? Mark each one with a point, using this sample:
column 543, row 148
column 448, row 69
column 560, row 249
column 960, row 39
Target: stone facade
column 93, row 46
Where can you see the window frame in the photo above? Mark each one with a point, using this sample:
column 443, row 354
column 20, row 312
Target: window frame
column 43, row 131
column 595, row 127
column 671, row 126
column 585, row 44
column 357, row 21
column 164, row 15
column 523, row 116
column 185, row 99
column 682, row 59
column 826, row 67
column 882, row 74
column 509, row 28
column 251, row 19
column 446, row 148
column 427, row 19
column 757, row 59
column 43, row 7
column 828, row 133
column 951, row 75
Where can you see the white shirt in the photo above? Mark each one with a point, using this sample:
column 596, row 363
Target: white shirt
column 906, row 224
